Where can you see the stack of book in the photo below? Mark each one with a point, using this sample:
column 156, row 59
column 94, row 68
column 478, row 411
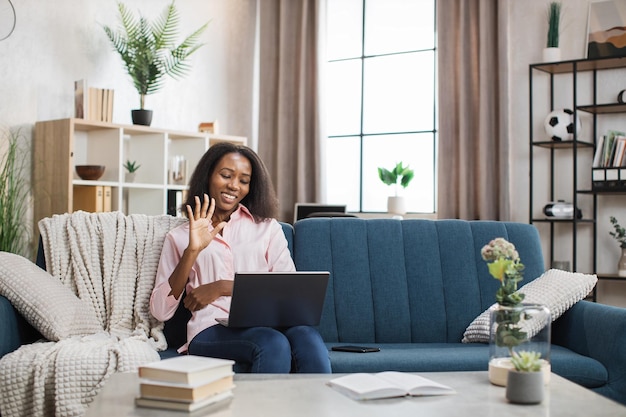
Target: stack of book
column 93, row 103
column 186, row 383
column 609, row 160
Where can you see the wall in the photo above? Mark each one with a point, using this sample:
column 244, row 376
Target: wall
column 525, row 47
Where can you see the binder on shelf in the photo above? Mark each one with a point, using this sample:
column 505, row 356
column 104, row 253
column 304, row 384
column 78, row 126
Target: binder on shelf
column 106, row 198
column 88, row 198
column 608, row 179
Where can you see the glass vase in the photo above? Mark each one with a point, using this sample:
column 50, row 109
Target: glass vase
column 621, row 265
column 526, row 327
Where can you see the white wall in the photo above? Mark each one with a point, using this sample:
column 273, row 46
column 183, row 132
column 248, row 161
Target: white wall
column 57, row 42
column 527, row 32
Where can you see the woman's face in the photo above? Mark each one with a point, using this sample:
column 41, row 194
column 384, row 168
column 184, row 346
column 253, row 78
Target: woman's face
column 230, row 182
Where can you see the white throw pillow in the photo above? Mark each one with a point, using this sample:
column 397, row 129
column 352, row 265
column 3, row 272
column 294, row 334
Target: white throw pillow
column 558, row 290
column 44, row 301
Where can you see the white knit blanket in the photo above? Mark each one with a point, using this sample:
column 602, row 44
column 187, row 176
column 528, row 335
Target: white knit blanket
column 109, row 259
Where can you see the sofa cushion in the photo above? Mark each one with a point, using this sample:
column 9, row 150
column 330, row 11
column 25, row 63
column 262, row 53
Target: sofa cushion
column 441, row 357
column 43, row 300
column 558, row 290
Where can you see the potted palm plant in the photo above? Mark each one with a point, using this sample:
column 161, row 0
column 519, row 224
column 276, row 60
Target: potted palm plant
column 399, row 176
column 149, row 52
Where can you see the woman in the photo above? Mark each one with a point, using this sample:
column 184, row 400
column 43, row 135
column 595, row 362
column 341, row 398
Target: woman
column 231, row 209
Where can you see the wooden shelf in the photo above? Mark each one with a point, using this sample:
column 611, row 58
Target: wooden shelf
column 566, row 144
column 563, row 67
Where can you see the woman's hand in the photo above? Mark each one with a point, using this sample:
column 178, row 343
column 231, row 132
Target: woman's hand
column 199, row 221
column 200, row 297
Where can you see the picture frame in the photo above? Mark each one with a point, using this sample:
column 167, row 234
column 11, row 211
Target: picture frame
column 606, row 29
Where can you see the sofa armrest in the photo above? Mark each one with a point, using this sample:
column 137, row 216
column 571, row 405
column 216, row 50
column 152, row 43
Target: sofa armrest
column 14, row 329
column 597, row 331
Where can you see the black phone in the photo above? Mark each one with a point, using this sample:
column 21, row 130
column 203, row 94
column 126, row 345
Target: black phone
column 353, row 348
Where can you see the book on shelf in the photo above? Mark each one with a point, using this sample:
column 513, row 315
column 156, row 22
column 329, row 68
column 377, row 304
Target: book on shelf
column 173, row 391
column 597, row 157
column 80, row 99
column 364, row 386
column 88, row 198
column 187, row 369
column 106, row 198
column 206, row 405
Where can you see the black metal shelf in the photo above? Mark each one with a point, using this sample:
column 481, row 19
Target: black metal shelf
column 578, row 149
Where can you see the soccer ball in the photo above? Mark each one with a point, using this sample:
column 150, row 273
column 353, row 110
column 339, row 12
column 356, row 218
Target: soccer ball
column 559, row 125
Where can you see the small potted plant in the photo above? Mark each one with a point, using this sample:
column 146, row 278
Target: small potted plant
column 149, row 52
column 400, row 175
column 552, row 53
column 131, row 169
column 620, row 235
column 525, row 382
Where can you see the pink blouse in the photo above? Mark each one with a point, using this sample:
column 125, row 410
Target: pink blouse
column 243, row 246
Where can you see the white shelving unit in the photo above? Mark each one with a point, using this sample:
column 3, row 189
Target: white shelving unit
column 60, row 145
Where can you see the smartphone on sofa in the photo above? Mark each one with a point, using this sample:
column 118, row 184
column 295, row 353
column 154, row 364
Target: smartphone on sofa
column 354, row 348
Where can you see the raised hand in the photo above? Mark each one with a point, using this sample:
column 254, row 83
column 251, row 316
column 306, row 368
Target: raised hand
column 199, row 220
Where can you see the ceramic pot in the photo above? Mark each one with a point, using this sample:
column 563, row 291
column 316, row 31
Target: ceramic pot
column 396, row 205
column 551, row 54
column 130, row 176
column 141, row 117
column 524, row 387
column 621, row 265
column 533, row 322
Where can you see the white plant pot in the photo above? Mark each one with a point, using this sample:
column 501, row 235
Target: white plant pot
column 551, row 54
column 396, row 205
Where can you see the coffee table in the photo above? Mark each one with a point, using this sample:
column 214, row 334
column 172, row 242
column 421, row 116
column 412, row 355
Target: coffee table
column 308, row 395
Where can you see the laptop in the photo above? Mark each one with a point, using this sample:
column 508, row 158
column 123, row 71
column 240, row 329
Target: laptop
column 304, row 210
column 277, row 299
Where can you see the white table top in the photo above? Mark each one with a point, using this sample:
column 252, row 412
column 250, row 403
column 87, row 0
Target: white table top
column 308, row 395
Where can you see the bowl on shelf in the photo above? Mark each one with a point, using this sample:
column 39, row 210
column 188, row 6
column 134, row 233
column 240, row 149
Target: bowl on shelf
column 90, row 172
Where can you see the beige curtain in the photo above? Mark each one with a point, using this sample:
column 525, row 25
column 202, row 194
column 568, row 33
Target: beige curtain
column 289, row 133
column 473, row 130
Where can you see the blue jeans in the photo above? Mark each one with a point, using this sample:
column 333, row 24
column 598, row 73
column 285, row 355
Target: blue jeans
column 264, row 349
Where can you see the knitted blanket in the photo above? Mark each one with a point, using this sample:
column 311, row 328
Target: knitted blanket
column 110, row 260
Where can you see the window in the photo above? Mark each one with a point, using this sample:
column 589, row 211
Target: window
column 380, row 101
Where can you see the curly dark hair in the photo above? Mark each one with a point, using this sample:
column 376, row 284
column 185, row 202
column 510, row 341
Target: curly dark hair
column 261, row 199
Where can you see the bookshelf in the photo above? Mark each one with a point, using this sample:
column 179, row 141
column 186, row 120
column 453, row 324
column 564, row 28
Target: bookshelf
column 60, row 145
column 589, row 183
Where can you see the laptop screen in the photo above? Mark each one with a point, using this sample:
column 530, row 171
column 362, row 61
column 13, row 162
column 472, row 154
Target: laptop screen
column 303, row 210
column 277, row 299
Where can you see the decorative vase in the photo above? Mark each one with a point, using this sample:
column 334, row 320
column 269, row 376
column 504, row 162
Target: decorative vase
column 141, row 117
column 551, row 54
column 621, row 265
column 523, row 327
column 396, row 205
column 524, row 387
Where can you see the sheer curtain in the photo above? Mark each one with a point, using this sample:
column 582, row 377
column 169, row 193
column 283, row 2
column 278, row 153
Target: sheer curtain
column 289, row 133
column 473, row 95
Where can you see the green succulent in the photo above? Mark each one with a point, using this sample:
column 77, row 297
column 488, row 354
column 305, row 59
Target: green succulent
column 148, row 48
column 525, row 361
column 131, row 166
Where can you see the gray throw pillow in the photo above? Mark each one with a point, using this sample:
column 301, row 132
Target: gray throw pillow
column 558, row 290
column 44, row 301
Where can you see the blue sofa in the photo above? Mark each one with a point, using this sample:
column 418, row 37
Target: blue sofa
column 411, row 288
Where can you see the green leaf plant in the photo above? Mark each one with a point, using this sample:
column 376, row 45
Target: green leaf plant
column 399, row 175
column 525, row 361
column 14, row 188
column 148, row 49
column 619, row 234
column 554, row 20
column 131, row 166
